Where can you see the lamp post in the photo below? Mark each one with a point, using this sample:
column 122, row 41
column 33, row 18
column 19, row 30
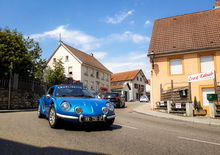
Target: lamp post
column 152, row 55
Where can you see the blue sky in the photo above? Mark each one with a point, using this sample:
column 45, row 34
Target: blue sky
column 118, row 32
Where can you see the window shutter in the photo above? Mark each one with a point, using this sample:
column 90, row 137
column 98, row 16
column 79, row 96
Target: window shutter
column 206, row 63
column 176, row 66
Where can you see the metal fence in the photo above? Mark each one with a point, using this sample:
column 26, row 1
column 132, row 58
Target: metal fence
column 30, row 85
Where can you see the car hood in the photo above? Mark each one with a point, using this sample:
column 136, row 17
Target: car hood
column 90, row 106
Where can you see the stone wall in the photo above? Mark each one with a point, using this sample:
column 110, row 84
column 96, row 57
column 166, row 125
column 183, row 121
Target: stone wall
column 19, row 99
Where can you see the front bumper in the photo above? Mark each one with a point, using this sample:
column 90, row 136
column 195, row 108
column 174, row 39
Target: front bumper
column 80, row 118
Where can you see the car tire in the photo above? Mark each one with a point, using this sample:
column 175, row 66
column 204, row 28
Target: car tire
column 52, row 118
column 39, row 114
column 109, row 122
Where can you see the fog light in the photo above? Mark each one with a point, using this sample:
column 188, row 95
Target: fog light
column 78, row 110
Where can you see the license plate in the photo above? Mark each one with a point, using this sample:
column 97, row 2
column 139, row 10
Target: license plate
column 178, row 105
column 93, row 119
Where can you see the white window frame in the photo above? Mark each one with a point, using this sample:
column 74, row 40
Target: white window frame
column 177, row 68
column 207, row 66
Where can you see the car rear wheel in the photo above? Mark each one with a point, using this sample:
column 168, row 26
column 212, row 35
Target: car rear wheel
column 39, row 114
column 53, row 119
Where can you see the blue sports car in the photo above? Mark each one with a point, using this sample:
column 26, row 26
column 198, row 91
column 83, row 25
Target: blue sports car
column 74, row 103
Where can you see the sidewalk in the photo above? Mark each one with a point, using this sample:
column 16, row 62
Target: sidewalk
column 18, row 110
column 145, row 109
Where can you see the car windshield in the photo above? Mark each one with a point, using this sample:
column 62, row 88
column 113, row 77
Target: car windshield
column 112, row 94
column 73, row 91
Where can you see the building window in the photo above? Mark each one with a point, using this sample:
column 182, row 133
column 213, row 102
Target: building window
column 66, row 58
column 92, row 73
column 54, row 60
column 176, row 66
column 70, row 70
column 86, row 71
column 141, row 79
column 97, row 75
column 207, row 63
column 136, row 86
column 137, row 79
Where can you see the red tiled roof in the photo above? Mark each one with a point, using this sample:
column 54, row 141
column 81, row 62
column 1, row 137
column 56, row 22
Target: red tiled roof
column 193, row 31
column 117, row 86
column 86, row 58
column 124, row 76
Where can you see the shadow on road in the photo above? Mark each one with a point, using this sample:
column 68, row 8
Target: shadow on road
column 88, row 127
column 8, row 147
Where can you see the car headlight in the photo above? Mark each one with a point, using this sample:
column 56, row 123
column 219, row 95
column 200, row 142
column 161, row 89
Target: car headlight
column 78, row 110
column 105, row 110
column 110, row 106
column 65, row 106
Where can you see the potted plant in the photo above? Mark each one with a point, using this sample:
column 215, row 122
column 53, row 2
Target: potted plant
column 198, row 110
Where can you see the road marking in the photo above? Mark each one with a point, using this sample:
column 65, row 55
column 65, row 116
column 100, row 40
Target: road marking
column 127, row 126
column 201, row 141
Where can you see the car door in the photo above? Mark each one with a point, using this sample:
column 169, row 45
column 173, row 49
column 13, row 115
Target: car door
column 48, row 99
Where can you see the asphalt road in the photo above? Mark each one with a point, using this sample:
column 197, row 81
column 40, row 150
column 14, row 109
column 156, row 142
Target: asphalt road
column 132, row 133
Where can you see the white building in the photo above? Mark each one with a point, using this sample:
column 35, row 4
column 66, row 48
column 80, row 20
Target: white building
column 81, row 67
column 131, row 84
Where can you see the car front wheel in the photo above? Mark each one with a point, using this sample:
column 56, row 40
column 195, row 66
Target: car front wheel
column 109, row 122
column 53, row 119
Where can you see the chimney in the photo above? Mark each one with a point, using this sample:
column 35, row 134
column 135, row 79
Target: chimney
column 217, row 4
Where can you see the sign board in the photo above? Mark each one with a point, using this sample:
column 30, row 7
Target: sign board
column 201, row 76
column 178, row 105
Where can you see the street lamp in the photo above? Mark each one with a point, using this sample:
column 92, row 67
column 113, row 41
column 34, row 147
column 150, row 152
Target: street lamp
column 152, row 55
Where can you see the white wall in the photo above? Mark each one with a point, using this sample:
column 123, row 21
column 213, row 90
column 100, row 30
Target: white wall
column 87, row 78
column 61, row 53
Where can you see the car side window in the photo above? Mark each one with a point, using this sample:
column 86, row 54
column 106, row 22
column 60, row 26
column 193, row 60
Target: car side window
column 50, row 91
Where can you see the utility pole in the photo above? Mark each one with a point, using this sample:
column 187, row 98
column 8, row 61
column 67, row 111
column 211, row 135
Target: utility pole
column 9, row 85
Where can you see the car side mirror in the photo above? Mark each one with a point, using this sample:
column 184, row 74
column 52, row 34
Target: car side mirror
column 48, row 96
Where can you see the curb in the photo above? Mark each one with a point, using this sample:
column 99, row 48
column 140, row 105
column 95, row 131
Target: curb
column 179, row 119
column 18, row 110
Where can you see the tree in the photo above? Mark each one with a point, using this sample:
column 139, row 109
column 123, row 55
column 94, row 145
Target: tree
column 22, row 52
column 56, row 75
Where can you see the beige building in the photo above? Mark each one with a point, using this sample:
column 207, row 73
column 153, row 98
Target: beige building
column 182, row 46
column 81, row 67
column 131, row 84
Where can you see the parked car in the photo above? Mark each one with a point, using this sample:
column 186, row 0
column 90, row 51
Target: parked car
column 116, row 98
column 144, row 98
column 76, row 104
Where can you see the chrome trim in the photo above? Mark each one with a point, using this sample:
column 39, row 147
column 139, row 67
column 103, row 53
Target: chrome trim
column 80, row 118
column 67, row 116
column 109, row 117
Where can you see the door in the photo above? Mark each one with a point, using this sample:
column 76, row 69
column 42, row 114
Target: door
column 206, row 91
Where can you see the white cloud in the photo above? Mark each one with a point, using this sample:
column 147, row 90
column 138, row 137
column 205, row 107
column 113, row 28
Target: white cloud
column 87, row 42
column 99, row 55
column 132, row 61
column 118, row 18
column 77, row 38
column 129, row 36
column 147, row 22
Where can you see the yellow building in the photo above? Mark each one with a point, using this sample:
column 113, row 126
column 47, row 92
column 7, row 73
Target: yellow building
column 185, row 45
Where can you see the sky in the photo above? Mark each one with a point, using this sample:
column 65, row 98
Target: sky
column 117, row 32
